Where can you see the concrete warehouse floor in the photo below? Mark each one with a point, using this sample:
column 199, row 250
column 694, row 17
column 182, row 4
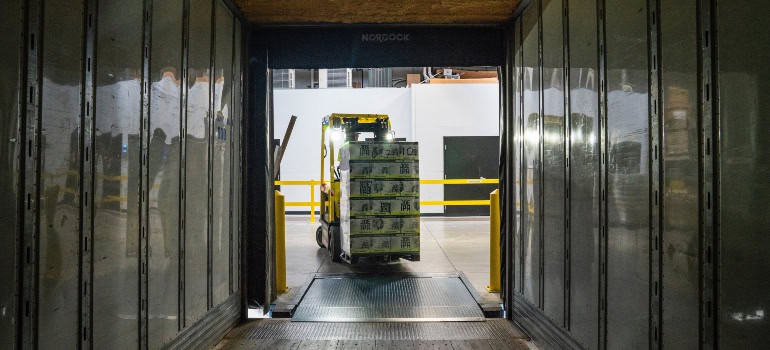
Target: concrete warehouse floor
column 446, row 245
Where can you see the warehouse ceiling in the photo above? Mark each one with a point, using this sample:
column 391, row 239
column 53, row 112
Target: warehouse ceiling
column 380, row 11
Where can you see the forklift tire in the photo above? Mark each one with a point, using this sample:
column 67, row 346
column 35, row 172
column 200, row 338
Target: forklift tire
column 334, row 244
column 318, row 236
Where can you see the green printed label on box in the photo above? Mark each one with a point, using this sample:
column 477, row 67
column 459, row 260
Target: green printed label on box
column 384, row 188
column 360, row 245
column 375, row 150
column 405, row 244
column 381, row 244
column 385, row 170
column 407, row 206
column 375, row 225
column 361, row 207
column 385, row 206
column 410, row 225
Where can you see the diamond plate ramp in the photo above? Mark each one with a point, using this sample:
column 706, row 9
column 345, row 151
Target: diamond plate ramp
column 387, row 299
column 278, row 328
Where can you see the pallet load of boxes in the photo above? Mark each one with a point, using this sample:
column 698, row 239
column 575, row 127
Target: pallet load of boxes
column 380, row 203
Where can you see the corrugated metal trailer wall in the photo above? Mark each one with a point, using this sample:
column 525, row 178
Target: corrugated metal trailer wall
column 11, row 99
column 121, row 125
column 639, row 134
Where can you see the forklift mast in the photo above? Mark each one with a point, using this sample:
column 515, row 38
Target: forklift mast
column 344, row 128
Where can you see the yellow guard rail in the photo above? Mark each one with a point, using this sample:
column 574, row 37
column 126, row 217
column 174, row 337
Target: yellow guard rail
column 494, row 223
column 313, row 183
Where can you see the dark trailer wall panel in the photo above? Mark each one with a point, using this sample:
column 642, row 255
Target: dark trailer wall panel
column 666, row 173
column 743, row 173
column 518, row 260
column 164, row 170
column 223, row 120
column 553, row 161
column 100, row 175
column 11, row 21
column 530, row 205
column 59, row 181
column 584, row 178
column 117, row 174
column 199, row 123
column 627, row 175
column 680, row 157
column 236, row 171
column 117, row 154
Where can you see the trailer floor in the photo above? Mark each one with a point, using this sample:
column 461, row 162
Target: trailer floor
column 494, row 334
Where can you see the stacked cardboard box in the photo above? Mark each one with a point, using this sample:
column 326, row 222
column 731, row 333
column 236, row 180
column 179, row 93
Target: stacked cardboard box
column 380, row 203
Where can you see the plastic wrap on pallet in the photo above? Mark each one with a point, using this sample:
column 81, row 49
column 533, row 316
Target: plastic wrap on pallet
column 380, row 198
column 345, row 242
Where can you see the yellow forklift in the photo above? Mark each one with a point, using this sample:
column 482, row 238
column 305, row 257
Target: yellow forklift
column 337, row 131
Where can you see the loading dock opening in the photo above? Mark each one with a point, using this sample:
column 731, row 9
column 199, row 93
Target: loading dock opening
column 419, row 114
column 423, row 49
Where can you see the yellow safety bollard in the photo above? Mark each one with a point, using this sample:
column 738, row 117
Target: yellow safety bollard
column 312, row 202
column 280, row 243
column 494, row 242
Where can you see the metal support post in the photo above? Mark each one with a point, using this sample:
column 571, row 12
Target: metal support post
column 280, row 243
column 312, row 202
column 494, row 242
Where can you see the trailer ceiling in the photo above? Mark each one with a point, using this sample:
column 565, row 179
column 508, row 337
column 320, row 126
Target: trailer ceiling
column 382, row 11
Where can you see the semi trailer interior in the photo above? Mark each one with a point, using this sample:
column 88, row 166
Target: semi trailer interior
column 138, row 195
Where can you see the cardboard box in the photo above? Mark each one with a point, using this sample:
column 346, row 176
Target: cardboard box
column 385, row 170
column 413, row 79
column 381, row 192
column 407, row 206
column 384, row 188
column 376, row 150
column 360, row 244
column 381, row 244
column 384, row 206
column 405, row 244
column 375, row 225
column 410, row 225
column 361, row 207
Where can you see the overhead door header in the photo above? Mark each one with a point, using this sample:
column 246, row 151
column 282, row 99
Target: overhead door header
column 381, row 46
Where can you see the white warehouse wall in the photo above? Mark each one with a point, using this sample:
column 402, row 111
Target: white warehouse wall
column 440, row 110
column 301, row 161
column 424, row 113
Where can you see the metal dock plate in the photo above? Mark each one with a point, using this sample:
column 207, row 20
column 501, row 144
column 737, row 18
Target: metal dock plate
column 387, row 299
